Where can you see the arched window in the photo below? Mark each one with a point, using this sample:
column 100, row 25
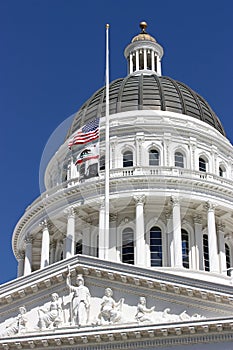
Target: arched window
column 228, row 258
column 202, row 164
column 221, row 171
column 127, row 159
column 153, row 157
column 128, row 246
column 206, row 253
column 185, row 248
column 102, row 163
column 79, row 247
column 179, row 160
column 156, row 255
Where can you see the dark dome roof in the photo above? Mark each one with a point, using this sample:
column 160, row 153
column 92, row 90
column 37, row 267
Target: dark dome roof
column 146, row 92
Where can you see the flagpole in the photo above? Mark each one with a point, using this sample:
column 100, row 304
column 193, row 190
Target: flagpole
column 107, row 151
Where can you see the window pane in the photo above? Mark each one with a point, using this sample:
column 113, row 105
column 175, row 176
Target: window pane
column 206, row 253
column 202, row 164
column 102, row 163
column 228, row 258
column 128, row 246
column 79, row 247
column 127, row 159
column 156, row 254
column 153, row 157
column 185, row 248
column 179, row 160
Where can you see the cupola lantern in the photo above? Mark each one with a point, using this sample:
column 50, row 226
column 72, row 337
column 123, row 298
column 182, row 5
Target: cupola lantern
column 144, row 53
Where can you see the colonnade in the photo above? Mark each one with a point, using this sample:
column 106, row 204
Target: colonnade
column 111, row 246
column 144, row 59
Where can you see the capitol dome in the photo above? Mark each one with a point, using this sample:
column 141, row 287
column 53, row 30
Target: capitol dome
column 138, row 199
column 146, row 91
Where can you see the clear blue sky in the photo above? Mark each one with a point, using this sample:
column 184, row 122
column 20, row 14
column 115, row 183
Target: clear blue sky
column 52, row 60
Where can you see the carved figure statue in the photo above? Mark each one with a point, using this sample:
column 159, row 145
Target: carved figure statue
column 18, row 325
column 51, row 317
column 80, row 304
column 142, row 310
column 110, row 311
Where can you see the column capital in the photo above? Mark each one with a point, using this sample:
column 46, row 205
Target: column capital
column 197, row 218
column 175, row 201
column 44, row 224
column 69, row 212
column 210, row 206
column 220, row 227
column 112, row 217
column 139, row 199
column 28, row 239
column 20, row 254
column 228, row 236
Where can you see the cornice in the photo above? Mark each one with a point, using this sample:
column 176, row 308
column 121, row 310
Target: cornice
column 125, row 336
column 26, row 286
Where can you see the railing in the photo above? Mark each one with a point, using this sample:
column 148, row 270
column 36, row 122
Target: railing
column 149, row 171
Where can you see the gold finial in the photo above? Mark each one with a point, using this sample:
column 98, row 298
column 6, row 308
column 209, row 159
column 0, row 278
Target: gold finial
column 107, row 26
column 143, row 26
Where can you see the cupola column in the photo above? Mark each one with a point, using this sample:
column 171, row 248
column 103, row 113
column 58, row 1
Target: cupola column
column 45, row 245
column 28, row 256
column 20, row 257
column 140, row 231
column 222, row 250
column 176, row 232
column 70, row 233
column 212, row 238
column 152, row 60
column 159, row 68
column 137, row 60
column 130, row 63
column 199, row 241
column 145, row 58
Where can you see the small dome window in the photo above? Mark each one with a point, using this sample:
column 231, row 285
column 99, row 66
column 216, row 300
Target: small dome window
column 127, row 159
column 102, row 163
column 221, row 171
column 153, row 157
column 79, row 247
column 185, row 248
column 206, row 253
column 228, row 258
column 179, row 160
column 202, row 164
column 156, row 253
column 128, row 246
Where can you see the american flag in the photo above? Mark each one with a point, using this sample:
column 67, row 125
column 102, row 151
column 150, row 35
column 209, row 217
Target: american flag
column 87, row 133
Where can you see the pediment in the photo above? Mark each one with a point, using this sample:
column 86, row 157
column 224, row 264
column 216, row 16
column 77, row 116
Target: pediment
column 119, row 301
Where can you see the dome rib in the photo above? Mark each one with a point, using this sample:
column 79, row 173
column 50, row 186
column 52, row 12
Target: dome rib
column 148, row 91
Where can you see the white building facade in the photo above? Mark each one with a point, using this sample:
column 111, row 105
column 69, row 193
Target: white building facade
column 161, row 275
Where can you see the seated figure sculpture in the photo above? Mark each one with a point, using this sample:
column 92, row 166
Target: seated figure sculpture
column 142, row 311
column 110, row 311
column 18, row 325
column 51, row 317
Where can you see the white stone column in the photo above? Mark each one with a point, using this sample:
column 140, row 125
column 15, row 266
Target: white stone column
column 222, row 251
column 212, row 238
column 176, row 222
column 199, row 242
column 102, row 231
column 145, row 59
column 45, row 245
column 21, row 258
column 52, row 252
column 159, row 69
column 87, row 238
column 70, row 233
column 28, row 256
column 113, row 253
column 137, row 60
column 113, row 160
column 170, row 244
column 152, row 60
column 140, row 243
column 130, row 63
